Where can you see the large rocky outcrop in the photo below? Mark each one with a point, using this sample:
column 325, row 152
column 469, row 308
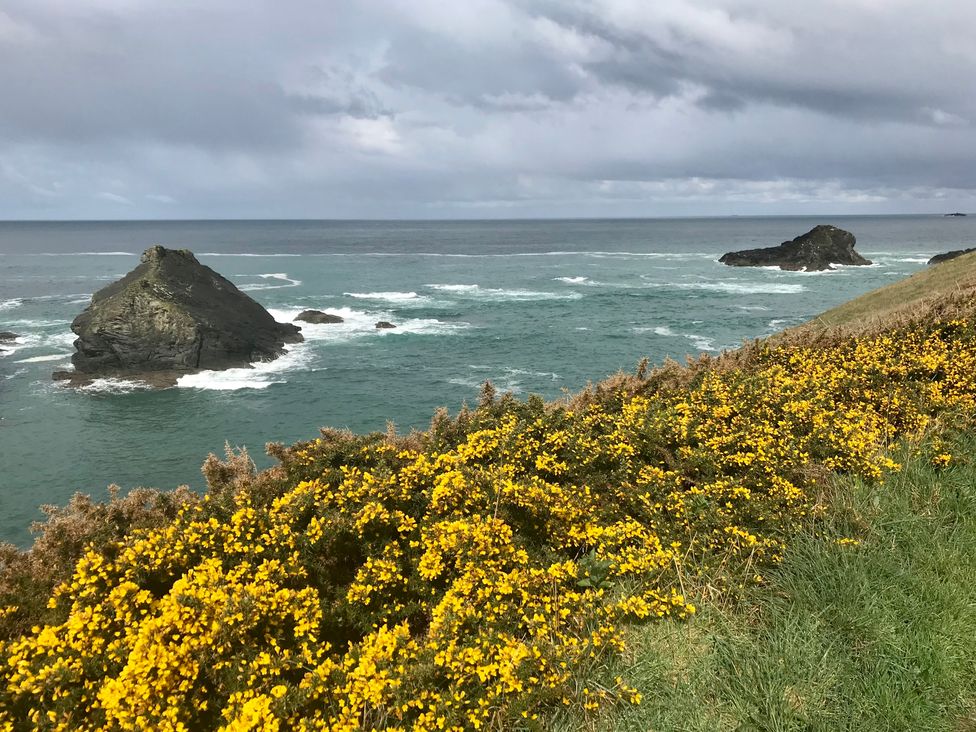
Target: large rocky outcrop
column 946, row 256
column 173, row 315
column 816, row 250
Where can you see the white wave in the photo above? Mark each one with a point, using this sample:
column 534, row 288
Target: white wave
column 542, row 374
column 504, row 379
column 648, row 255
column 59, row 340
column 15, row 374
column 10, row 304
column 39, row 359
column 260, row 375
column 912, row 260
column 738, row 288
column 394, row 297
column 301, row 356
column 115, row 386
column 838, row 266
column 85, row 254
column 359, row 324
column 928, row 254
column 244, row 254
column 493, row 294
column 29, row 341
column 279, row 276
column 423, row 326
column 573, row 280
column 353, row 320
column 469, row 382
column 701, row 342
column 46, row 298
column 454, row 288
column 751, row 307
column 34, row 323
column 80, row 301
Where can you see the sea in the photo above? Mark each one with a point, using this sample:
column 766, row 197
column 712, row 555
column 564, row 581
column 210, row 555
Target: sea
column 536, row 307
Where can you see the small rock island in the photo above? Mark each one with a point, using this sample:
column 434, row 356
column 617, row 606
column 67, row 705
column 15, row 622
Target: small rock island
column 318, row 317
column 168, row 317
column 817, row 250
column 946, row 256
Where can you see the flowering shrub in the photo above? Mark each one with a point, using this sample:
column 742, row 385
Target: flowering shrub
column 470, row 577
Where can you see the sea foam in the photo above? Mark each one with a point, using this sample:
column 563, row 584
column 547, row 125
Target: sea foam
column 738, row 288
column 40, row 359
column 278, row 276
column 493, row 294
column 411, row 298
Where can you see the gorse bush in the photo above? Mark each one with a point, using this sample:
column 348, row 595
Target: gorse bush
column 469, row 577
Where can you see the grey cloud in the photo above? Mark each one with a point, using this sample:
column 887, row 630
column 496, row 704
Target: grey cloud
column 494, row 107
column 483, row 76
column 834, row 74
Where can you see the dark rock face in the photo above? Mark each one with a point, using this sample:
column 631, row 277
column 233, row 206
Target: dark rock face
column 816, row 250
column 6, row 335
column 317, row 316
column 173, row 314
column 946, row 256
column 385, row 324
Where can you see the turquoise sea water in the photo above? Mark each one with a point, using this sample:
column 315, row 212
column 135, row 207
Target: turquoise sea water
column 534, row 306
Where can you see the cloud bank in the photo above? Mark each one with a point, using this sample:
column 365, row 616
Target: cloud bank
column 488, row 108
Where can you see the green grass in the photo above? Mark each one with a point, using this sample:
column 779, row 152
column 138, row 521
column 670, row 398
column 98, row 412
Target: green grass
column 876, row 636
column 930, row 287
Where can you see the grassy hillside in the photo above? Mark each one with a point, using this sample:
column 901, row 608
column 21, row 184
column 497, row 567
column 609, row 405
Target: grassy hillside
column 937, row 290
column 488, row 572
column 869, row 623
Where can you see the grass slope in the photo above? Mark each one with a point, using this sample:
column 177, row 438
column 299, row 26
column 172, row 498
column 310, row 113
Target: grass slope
column 932, row 287
column 879, row 635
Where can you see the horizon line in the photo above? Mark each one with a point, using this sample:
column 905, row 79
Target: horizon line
column 473, row 219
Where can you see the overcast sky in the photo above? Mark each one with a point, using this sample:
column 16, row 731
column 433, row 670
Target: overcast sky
column 485, row 108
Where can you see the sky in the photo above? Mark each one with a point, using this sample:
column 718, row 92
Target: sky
column 130, row 109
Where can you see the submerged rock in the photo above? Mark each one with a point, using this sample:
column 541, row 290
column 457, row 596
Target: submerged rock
column 385, row 324
column 946, row 256
column 816, row 250
column 317, row 316
column 173, row 315
column 6, row 336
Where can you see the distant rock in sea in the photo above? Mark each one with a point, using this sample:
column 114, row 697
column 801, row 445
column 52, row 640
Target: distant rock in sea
column 317, row 316
column 814, row 251
column 384, row 324
column 946, row 256
column 169, row 316
column 5, row 336
column 953, row 215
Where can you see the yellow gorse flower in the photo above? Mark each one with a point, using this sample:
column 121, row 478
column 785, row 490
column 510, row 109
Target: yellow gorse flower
column 463, row 582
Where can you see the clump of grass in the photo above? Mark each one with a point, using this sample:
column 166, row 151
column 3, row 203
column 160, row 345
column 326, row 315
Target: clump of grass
column 869, row 623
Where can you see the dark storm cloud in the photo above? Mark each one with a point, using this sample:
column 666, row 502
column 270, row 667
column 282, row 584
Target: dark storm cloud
column 489, row 107
column 834, row 72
